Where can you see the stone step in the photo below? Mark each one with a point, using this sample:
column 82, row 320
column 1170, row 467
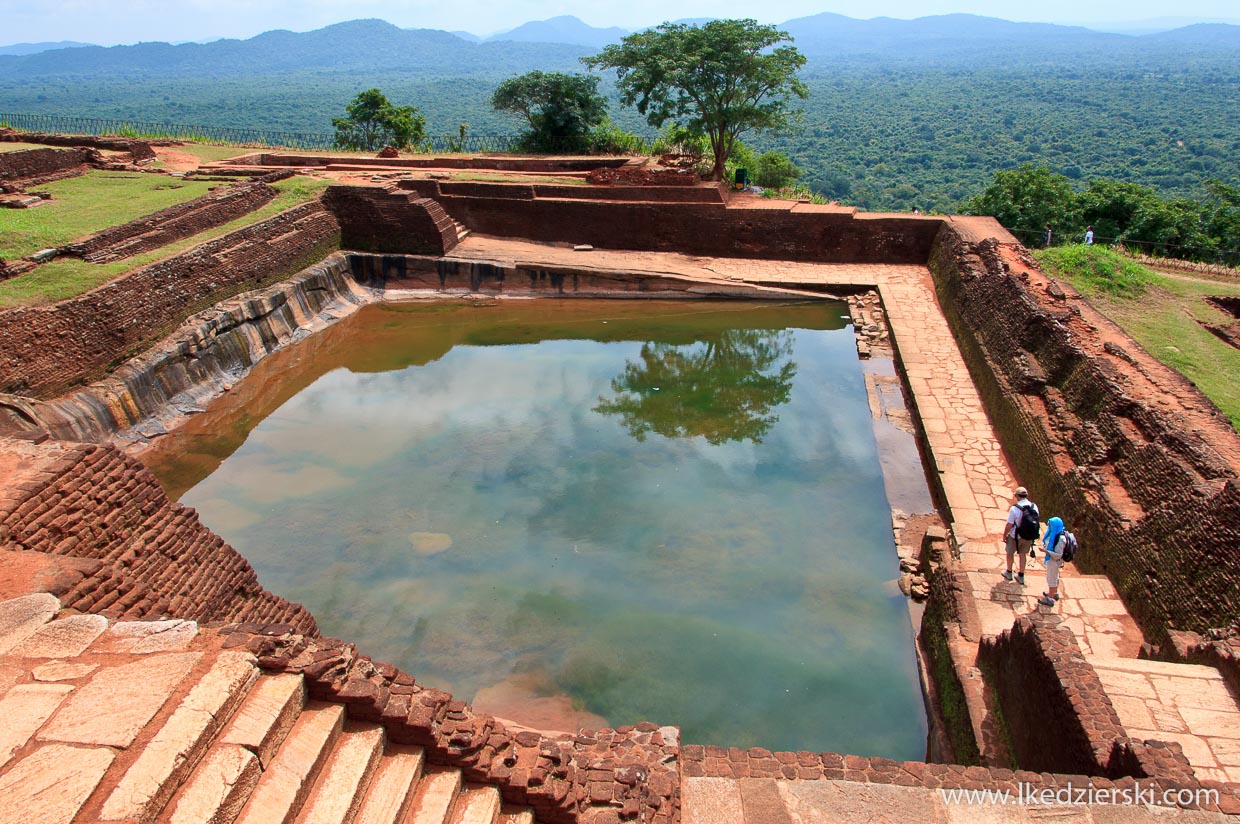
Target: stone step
column 286, row 783
column 435, row 796
column 477, row 804
column 182, row 741
column 218, row 789
column 346, row 776
column 267, row 715
column 391, row 790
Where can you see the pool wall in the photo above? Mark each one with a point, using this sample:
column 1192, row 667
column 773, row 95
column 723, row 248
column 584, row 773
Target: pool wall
column 116, row 547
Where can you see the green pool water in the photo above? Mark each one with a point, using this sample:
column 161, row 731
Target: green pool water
column 576, row 512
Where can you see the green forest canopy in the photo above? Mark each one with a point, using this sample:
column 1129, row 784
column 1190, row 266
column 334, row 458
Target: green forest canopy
column 923, row 126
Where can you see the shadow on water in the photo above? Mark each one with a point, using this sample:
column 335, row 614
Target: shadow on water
column 581, row 512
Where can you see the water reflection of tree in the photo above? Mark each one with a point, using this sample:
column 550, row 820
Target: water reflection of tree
column 722, row 389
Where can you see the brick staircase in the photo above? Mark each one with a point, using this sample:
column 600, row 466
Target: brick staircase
column 153, row 721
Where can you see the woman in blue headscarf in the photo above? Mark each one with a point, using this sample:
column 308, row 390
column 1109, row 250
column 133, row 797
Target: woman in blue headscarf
column 1054, row 560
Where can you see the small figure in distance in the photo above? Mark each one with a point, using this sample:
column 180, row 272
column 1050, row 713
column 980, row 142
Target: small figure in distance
column 916, row 211
column 1056, row 539
column 1089, row 235
column 1020, row 531
column 1047, row 240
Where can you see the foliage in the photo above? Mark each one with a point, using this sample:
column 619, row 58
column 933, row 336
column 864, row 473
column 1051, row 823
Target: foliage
column 723, row 389
column 371, row 123
column 724, row 78
column 1095, row 268
column 890, row 124
column 457, row 144
column 560, row 109
column 1026, row 199
column 608, row 138
column 775, row 170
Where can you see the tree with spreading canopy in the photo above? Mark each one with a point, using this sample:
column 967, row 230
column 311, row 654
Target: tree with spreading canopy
column 561, row 109
column 721, row 79
column 371, row 123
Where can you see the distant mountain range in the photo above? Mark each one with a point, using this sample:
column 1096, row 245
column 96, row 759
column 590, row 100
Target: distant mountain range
column 35, row 48
column 821, row 34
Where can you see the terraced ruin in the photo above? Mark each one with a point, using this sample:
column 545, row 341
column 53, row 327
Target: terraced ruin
column 151, row 677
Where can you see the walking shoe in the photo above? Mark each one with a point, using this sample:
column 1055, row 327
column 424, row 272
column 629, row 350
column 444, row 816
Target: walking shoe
column 1046, row 602
column 1054, row 597
column 1020, row 578
column 1007, row 574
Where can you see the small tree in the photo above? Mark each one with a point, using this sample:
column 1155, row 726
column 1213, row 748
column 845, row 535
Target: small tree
column 1026, row 200
column 722, row 79
column 775, row 170
column 372, row 123
column 560, row 109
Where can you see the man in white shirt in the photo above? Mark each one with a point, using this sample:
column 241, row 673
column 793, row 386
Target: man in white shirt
column 1014, row 544
column 1089, row 235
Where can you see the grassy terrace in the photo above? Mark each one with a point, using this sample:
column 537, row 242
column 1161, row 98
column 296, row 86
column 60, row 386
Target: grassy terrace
column 84, row 205
column 1163, row 311
column 21, row 147
column 67, row 277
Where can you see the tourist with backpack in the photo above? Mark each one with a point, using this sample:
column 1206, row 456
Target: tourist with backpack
column 1020, row 531
column 1060, row 549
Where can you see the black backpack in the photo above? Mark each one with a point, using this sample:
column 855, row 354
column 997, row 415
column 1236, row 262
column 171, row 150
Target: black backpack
column 1069, row 547
column 1030, row 524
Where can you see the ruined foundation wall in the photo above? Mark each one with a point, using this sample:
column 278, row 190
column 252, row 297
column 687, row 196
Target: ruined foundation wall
column 1152, row 496
column 49, row 349
column 384, row 220
column 175, row 223
column 709, row 229
column 140, row 149
column 135, row 554
column 37, row 163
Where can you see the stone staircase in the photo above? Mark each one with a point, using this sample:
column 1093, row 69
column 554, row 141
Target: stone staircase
column 154, row 721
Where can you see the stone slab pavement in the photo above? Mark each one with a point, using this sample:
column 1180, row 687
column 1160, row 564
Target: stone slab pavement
column 771, row 801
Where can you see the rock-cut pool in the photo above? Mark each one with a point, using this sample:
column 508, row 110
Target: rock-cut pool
column 582, row 513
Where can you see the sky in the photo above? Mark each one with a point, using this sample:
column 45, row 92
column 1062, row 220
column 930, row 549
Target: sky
column 112, row 22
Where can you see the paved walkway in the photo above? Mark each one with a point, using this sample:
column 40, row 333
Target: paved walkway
column 770, row 801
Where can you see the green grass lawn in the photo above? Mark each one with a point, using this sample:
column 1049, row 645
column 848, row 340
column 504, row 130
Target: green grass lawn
column 67, row 277
column 1165, row 317
column 84, row 205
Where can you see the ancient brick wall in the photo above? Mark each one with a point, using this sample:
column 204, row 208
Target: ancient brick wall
column 390, row 220
column 1058, row 715
column 36, row 163
column 593, row 777
column 705, row 193
column 143, row 556
column 48, row 349
column 174, row 223
column 711, row 229
column 140, row 149
column 1139, row 464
